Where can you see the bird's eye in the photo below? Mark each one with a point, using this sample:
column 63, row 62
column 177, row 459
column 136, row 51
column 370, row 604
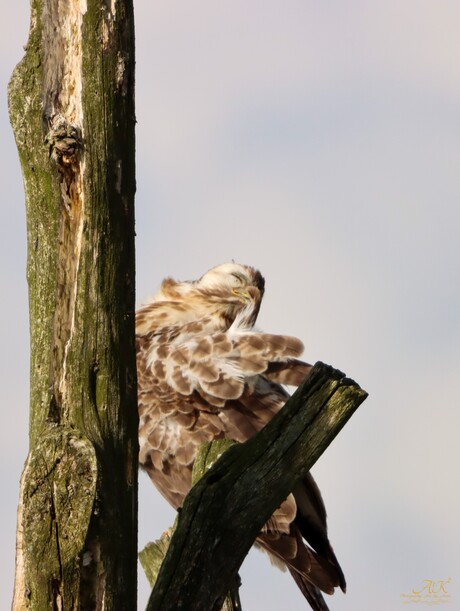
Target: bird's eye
column 237, row 279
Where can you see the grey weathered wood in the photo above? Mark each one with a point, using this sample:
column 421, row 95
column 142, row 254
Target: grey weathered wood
column 243, row 488
column 71, row 102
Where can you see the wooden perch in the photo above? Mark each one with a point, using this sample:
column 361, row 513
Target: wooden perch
column 244, row 487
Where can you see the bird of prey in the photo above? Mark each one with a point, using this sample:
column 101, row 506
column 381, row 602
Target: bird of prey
column 205, row 373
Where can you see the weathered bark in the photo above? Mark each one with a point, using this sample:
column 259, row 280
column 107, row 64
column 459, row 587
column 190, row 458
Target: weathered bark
column 71, row 104
column 243, row 488
column 154, row 554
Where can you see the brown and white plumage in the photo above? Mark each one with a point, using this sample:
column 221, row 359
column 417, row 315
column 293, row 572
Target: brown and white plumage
column 204, row 373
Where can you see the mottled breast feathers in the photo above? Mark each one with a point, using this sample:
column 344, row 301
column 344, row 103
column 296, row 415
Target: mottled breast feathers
column 204, row 373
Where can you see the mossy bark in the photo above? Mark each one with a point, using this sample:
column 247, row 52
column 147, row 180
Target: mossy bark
column 71, row 104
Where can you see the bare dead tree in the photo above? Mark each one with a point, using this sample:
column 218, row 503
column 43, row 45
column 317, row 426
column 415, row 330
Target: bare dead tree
column 71, row 101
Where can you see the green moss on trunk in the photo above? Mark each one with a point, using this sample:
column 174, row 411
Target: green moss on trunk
column 71, row 103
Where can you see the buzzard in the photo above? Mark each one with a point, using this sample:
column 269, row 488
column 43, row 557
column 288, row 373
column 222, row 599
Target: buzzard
column 205, row 373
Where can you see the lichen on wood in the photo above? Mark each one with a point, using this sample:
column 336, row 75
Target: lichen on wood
column 59, row 497
column 71, row 102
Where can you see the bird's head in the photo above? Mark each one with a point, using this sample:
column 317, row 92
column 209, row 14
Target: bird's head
column 229, row 292
column 233, row 282
column 235, row 289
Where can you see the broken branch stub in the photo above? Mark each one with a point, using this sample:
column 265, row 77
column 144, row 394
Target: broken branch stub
column 225, row 511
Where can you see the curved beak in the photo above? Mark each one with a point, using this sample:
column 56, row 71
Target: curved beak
column 242, row 294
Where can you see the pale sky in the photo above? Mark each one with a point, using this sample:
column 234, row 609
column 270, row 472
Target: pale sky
column 319, row 142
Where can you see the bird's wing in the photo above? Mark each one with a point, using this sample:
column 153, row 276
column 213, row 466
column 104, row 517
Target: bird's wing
column 218, row 366
column 197, row 385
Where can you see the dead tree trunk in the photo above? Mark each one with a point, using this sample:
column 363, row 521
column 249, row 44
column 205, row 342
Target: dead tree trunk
column 71, row 104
